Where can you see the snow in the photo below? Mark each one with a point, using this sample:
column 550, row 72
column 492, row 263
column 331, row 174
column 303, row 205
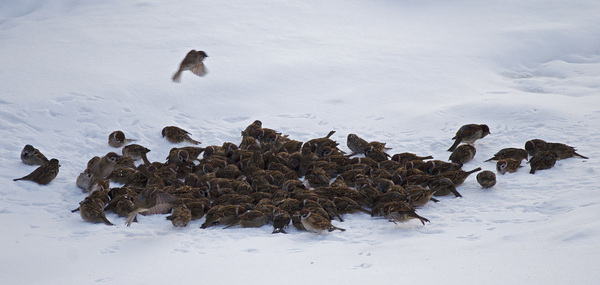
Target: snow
column 408, row 73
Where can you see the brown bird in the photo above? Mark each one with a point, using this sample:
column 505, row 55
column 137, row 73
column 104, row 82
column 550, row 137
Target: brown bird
column 136, row 152
column 462, row 154
column 486, row 179
column 91, row 210
column 117, row 139
column 101, row 167
column 257, row 124
column 192, row 62
column 543, row 160
column 400, row 211
column 561, row 150
column 507, row 165
column 84, row 179
column 405, row 157
column 315, row 223
column 511, row 152
column 469, row 134
column 44, row 173
column 180, row 216
column 177, row 135
column 281, row 219
column 357, row 144
column 32, row 156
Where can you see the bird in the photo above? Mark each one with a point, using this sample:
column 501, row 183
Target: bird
column 177, row 135
column 400, row 211
column 486, row 179
column 257, row 124
column 281, row 219
column 136, row 152
column 405, row 157
column 543, row 160
column 535, row 145
column 101, row 168
column 469, row 134
column 84, row 179
column 32, row 156
column 180, row 216
column 357, row 144
column 44, row 174
column 117, row 139
column 151, row 201
column 507, row 165
column 561, row 150
column 511, row 152
column 91, row 210
column 192, row 62
column 316, row 223
column 442, row 186
column 462, row 154
column 251, row 219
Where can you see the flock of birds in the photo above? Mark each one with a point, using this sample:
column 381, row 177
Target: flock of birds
column 269, row 178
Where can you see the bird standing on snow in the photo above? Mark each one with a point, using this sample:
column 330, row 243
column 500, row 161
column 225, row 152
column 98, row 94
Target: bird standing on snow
column 469, row 134
column 192, row 62
column 44, row 173
column 32, row 156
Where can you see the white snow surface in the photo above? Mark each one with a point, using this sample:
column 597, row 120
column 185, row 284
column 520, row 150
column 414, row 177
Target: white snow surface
column 408, row 73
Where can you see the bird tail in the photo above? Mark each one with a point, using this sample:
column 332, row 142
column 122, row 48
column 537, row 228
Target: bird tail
column 177, row 76
column 456, row 143
column 190, row 140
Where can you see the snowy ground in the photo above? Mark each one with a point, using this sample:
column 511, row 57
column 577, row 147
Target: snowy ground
column 408, row 73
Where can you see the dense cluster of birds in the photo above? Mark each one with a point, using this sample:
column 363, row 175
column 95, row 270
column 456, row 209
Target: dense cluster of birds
column 269, row 178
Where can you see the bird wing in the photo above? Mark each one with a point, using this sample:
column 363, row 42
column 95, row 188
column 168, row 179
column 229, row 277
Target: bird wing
column 199, row 69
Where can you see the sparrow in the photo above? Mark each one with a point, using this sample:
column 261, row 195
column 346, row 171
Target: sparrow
column 561, row 150
column 192, row 62
column 458, row 177
column 136, row 152
column 180, row 216
column 44, row 174
column 535, row 145
column 151, row 201
column 346, row 205
column 251, row 219
column 469, row 134
column 32, row 156
column 400, row 211
column 117, row 139
column 315, row 223
column 176, row 135
column 405, row 157
column 543, row 160
column 281, row 219
column 357, row 144
column 486, row 179
column 507, row 165
column 511, row 152
column 102, row 167
column 462, row 154
column 251, row 128
column 84, row 179
column 442, row 186
column 91, row 210
column 223, row 214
